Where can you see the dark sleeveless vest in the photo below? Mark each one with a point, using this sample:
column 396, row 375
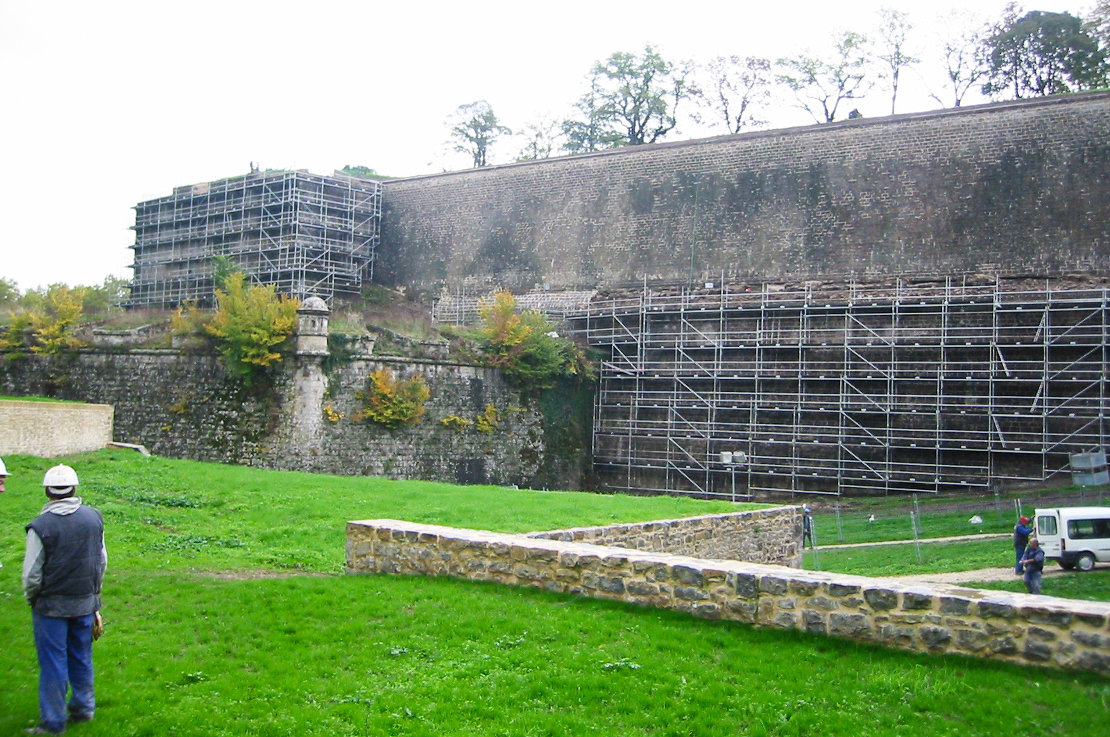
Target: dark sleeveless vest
column 72, row 566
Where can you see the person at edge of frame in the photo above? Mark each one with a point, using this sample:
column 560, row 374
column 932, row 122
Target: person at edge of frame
column 63, row 570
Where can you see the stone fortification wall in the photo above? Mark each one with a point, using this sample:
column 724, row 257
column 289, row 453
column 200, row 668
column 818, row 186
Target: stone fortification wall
column 186, row 406
column 933, row 618
column 53, row 429
column 757, row 536
column 1003, row 188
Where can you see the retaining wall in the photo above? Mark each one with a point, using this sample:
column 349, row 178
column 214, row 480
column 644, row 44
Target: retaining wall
column 935, row 618
column 52, row 429
column 756, row 536
column 186, row 406
column 1013, row 187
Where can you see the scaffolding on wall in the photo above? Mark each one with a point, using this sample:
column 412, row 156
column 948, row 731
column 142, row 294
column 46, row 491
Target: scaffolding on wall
column 910, row 389
column 303, row 233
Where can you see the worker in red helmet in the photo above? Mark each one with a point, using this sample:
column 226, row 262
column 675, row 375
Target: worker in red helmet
column 1022, row 531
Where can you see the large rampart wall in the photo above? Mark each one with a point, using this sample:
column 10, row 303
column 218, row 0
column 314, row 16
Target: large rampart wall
column 933, row 618
column 186, row 406
column 1019, row 187
column 53, row 429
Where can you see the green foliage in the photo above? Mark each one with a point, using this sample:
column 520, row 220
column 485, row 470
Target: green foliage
column 1043, row 54
column 251, row 325
column 475, row 130
column 525, row 346
column 362, row 172
column 222, row 270
column 821, row 83
column 455, row 422
column 392, row 402
column 46, row 325
column 632, row 100
column 489, row 420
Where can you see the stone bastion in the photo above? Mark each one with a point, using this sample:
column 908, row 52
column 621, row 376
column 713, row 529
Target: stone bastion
column 773, row 592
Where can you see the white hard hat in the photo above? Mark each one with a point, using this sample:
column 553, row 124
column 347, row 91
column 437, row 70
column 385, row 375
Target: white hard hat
column 3, row 468
column 60, row 476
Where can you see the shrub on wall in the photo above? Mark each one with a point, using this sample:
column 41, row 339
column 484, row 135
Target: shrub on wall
column 525, row 346
column 48, row 328
column 392, row 402
column 250, row 327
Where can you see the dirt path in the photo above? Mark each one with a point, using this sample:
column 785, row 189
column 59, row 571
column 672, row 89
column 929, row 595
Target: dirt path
column 1001, row 573
column 923, row 540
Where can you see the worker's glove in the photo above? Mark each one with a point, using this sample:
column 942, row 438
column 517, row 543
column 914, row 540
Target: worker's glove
column 98, row 626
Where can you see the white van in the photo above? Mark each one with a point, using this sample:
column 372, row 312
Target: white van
column 1074, row 537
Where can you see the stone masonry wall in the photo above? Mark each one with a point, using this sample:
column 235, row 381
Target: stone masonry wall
column 1015, row 187
column 186, row 406
column 756, row 536
column 53, row 429
column 937, row 619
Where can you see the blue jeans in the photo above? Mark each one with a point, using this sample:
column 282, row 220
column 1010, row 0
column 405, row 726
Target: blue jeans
column 64, row 646
column 1017, row 563
column 1032, row 581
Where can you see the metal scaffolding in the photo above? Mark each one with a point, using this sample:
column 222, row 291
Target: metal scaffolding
column 303, row 233
column 914, row 389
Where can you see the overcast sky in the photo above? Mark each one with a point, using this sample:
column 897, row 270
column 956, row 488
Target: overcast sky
column 111, row 103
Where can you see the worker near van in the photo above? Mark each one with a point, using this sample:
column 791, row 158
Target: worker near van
column 1022, row 531
column 63, row 569
column 1033, row 560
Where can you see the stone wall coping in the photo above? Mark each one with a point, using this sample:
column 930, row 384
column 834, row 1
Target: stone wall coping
column 664, row 522
column 46, row 406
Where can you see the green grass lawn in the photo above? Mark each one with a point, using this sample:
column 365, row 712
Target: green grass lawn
column 226, row 616
column 903, row 560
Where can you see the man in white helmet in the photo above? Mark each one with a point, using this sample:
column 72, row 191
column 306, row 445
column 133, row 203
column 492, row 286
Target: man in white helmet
column 63, row 569
column 3, row 475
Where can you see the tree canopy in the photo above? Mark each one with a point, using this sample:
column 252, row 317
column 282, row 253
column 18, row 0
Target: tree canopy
column 475, row 131
column 633, row 99
column 1043, row 54
column 820, row 84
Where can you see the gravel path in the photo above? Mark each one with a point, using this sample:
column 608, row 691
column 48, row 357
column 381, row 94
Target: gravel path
column 1002, row 573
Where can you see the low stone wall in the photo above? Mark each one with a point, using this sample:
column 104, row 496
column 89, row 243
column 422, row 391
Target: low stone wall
column 935, row 618
column 757, row 536
column 51, row 429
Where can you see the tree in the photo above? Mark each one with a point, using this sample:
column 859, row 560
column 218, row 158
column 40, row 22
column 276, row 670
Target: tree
column 1042, row 54
column 475, row 130
column 539, row 140
column 363, row 172
column 894, row 27
column 632, row 100
column 735, row 88
column 1098, row 23
column 961, row 47
column 525, row 346
column 250, row 325
column 591, row 131
column 819, row 86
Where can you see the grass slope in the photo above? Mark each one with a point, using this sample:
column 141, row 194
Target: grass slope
column 225, row 618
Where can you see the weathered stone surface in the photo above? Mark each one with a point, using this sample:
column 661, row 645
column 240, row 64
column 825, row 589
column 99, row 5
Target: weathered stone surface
column 881, row 599
column 937, row 619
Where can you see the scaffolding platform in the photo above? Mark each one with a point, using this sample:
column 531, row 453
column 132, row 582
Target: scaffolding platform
column 305, row 234
column 909, row 389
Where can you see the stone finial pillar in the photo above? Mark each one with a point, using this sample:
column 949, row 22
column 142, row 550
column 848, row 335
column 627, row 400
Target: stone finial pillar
column 312, row 328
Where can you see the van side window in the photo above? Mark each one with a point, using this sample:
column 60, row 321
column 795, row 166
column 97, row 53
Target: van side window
column 1046, row 526
column 1084, row 529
